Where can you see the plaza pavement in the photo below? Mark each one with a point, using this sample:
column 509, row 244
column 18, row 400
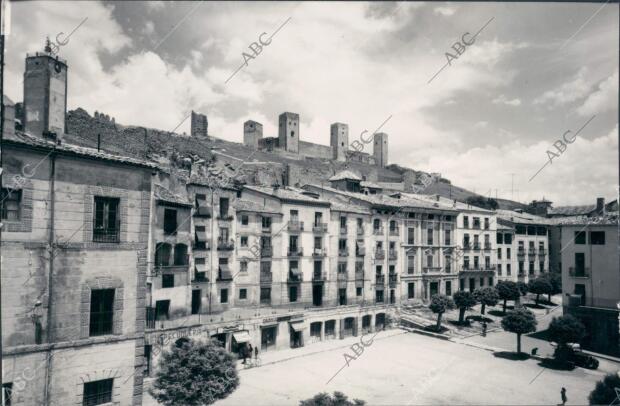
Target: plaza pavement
column 408, row 369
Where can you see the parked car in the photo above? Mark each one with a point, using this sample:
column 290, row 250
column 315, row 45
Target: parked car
column 572, row 354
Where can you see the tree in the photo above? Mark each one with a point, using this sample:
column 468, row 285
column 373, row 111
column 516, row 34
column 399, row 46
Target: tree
column 464, row 301
column 519, row 321
column 324, row 399
column 507, row 290
column 523, row 288
column 604, row 392
column 487, row 297
column 195, row 373
column 540, row 286
column 555, row 279
column 564, row 330
column 439, row 304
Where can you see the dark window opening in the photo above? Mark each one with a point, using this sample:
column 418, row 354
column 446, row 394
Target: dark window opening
column 597, row 237
column 101, row 311
column 170, row 221
column 98, row 392
column 107, row 220
column 580, row 237
column 161, row 309
column 167, row 281
column 10, row 204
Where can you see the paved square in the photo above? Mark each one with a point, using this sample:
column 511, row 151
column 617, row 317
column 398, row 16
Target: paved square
column 408, row 369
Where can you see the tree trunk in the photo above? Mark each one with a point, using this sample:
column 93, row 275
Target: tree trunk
column 483, row 307
column 461, row 314
column 519, row 343
column 537, row 297
column 549, row 297
column 505, row 300
column 439, row 321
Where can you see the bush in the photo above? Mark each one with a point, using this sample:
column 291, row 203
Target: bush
column 523, row 288
column 566, row 329
column 604, row 392
column 195, row 373
column 507, row 290
column 324, row 399
column 519, row 321
column 486, row 297
column 464, row 301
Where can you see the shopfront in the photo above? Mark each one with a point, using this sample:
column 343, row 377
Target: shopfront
column 296, row 330
column 268, row 337
column 240, row 340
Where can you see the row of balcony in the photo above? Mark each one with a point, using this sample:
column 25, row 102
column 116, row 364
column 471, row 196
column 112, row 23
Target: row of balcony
column 295, row 277
column 477, row 247
column 532, row 252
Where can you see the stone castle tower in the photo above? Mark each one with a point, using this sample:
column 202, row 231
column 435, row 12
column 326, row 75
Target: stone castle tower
column 200, row 125
column 288, row 132
column 252, row 133
column 45, row 93
column 339, row 140
column 380, row 149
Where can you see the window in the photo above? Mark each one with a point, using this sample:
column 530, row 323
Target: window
column 245, row 220
column 521, row 267
column 392, row 225
column 500, row 238
column 224, row 234
column 376, row 224
column 499, row 253
column 342, row 244
column 318, row 243
column 342, row 268
column 541, row 266
column 243, row 266
column 294, row 216
column 507, row 238
column 170, row 221
column 507, row 269
column 410, row 235
column 180, row 255
column 292, row 293
column 343, row 222
column 429, row 236
column 476, row 263
column 448, row 288
column 531, row 268
column 7, row 393
column 101, row 311
column 447, row 236
column 342, row 296
column 486, row 223
column 265, row 295
column 97, row 392
column 597, row 237
column 318, row 218
column 223, row 206
column 481, row 282
column 580, row 237
column 224, row 296
column 266, row 222
column 465, row 222
column 466, row 262
column 507, row 253
column 244, row 241
column 499, row 269
column 107, row 221
column 447, row 263
column 243, row 294
column 167, row 281
column 10, row 203
column 490, row 281
column 379, row 296
column 358, row 291
column 161, row 309
column 429, row 261
column 162, row 254
column 411, row 290
column 410, row 264
column 487, row 262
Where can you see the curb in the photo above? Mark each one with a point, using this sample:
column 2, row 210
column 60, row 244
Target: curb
column 496, row 349
column 603, row 356
column 428, row 333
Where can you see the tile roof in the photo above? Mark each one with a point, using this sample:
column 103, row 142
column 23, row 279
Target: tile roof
column 349, row 207
column 163, row 194
column 454, row 204
column 346, row 174
column 23, row 138
column 608, row 219
column 288, row 194
column 254, row 207
column 522, row 218
column 572, row 210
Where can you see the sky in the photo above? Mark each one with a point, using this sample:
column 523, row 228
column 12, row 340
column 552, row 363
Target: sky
column 488, row 121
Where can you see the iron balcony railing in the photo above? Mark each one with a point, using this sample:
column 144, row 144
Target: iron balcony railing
column 377, row 231
column 579, row 272
column 394, row 231
column 319, row 227
column 359, row 275
column 318, row 276
column 343, row 230
column 431, row 269
column 542, row 252
column 295, row 252
column 294, row 277
column 466, row 245
column 342, row 276
column 531, row 252
column 295, row 225
column 393, row 280
column 343, row 252
column 225, row 245
column 476, row 247
column 393, row 254
column 379, row 254
column 360, row 251
column 487, row 246
column 266, row 252
column 266, row 277
column 360, row 231
column 106, row 235
column 318, row 252
column 380, row 279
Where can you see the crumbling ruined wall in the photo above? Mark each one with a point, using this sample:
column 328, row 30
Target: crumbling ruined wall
column 312, row 150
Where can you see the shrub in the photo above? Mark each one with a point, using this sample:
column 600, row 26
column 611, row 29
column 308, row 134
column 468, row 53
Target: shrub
column 439, row 304
column 519, row 321
column 604, row 392
column 464, row 301
column 324, row 399
column 507, row 290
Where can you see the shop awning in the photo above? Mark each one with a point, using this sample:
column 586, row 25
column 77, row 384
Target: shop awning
column 201, row 234
column 297, row 326
column 225, row 273
column 202, row 209
column 241, row 337
column 296, row 271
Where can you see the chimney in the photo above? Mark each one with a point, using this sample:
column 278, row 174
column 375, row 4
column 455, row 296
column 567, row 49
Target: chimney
column 600, row 206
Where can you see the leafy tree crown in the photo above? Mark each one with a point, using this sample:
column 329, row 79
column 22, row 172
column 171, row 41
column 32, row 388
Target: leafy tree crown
column 507, row 290
column 519, row 321
column 566, row 329
column 487, row 296
column 441, row 303
column 464, row 300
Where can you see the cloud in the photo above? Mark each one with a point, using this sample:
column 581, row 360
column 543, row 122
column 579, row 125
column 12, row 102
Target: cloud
column 605, row 98
column 578, row 87
column 501, row 99
column 445, row 11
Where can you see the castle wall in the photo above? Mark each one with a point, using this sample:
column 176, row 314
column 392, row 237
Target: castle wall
column 313, row 150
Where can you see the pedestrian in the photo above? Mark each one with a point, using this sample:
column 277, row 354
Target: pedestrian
column 256, row 352
column 244, row 353
column 484, row 329
column 564, row 398
column 250, row 350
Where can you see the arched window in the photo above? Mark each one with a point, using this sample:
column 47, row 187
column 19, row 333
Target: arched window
column 162, row 254
column 180, row 254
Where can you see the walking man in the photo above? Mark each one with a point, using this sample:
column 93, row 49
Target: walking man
column 244, row 352
column 256, row 352
column 484, row 329
column 564, row 398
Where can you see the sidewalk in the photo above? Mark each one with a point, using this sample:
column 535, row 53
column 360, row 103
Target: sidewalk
column 277, row 356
